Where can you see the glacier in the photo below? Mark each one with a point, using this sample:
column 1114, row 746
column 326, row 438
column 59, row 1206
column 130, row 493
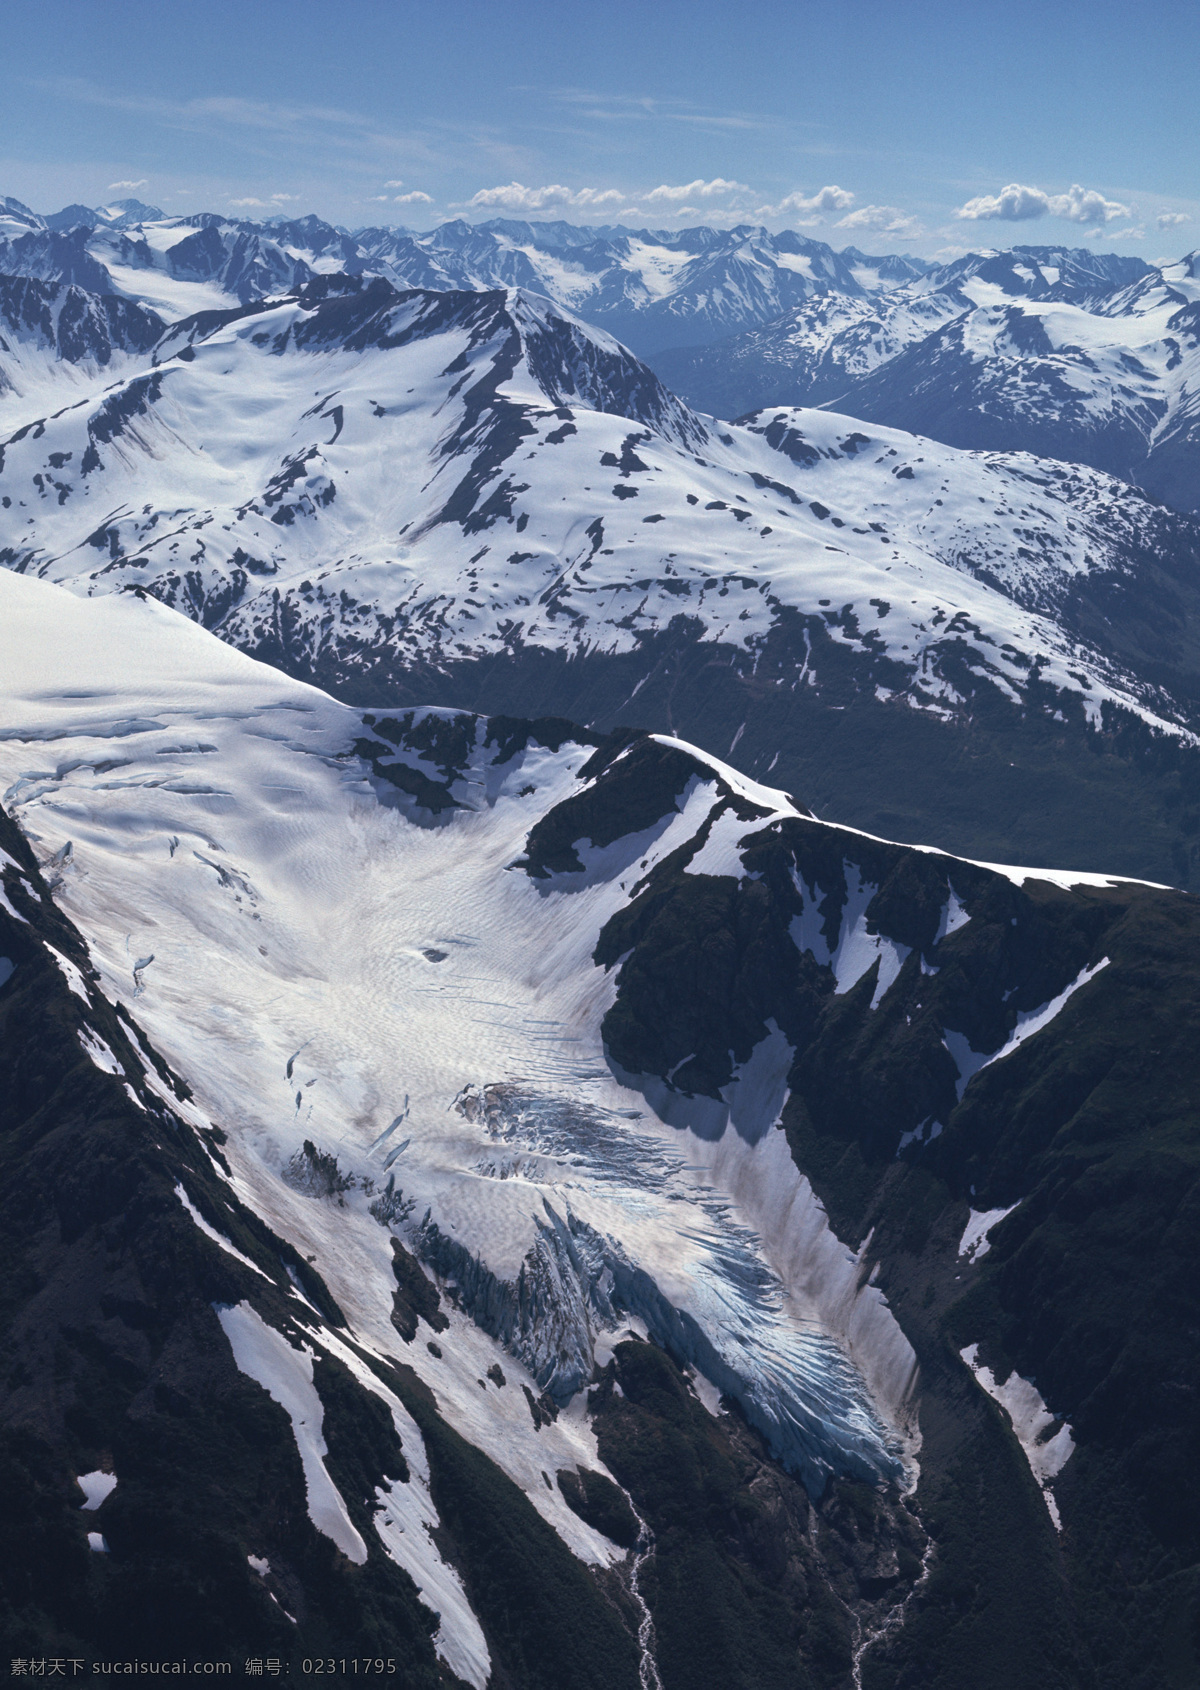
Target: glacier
column 322, row 957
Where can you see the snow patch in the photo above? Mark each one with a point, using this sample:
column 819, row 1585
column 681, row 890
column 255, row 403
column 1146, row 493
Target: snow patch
column 1033, row 1020
column 99, row 1052
column 975, row 1241
column 858, row 949
column 953, row 917
column 5, row 904
column 286, row 1374
column 74, row 978
column 966, row 1059
column 970, row 1062
column 96, row 1487
column 1031, row 1420
column 218, row 1238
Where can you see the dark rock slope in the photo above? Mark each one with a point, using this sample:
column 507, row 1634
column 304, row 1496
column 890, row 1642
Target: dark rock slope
column 1087, row 1133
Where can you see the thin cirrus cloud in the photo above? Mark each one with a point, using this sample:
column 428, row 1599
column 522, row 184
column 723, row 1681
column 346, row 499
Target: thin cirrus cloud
column 128, row 185
column 1016, row 203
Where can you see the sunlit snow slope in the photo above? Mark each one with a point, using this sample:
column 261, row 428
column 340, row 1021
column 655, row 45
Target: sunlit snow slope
column 357, row 483
column 548, row 1027
column 326, row 960
column 1043, row 350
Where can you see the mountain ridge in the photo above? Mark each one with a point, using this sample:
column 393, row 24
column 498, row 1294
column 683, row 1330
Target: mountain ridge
column 967, row 1076
column 561, row 515
column 1038, row 349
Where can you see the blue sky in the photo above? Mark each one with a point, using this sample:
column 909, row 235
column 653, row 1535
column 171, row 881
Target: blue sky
column 892, row 126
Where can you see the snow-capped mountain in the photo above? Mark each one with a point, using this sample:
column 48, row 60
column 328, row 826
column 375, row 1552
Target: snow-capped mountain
column 383, row 1079
column 517, row 426
column 389, row 492
column 651, row 288
column 1060, row 353
column 1115, row 383
column 53, row 333
column 819, row 350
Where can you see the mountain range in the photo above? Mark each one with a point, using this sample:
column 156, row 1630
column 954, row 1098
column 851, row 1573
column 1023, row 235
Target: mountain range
column 1056, row 352
column 411, row 1253
column 568, row 536
column 650, row 288
column 511, row 1173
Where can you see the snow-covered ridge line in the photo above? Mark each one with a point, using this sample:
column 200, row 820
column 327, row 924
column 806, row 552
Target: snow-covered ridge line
column 1038, row 348
column 345, row 1007
column 555, row 498
column 662, row 286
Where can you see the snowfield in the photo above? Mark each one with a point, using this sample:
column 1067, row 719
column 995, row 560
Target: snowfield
column 356, row 476
column 335, row 965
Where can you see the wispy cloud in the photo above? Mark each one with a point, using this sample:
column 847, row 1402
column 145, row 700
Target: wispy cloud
column 883, row 220
column 114, row 186
column 261, row 124
column 625, row 108
column 1017, row 203
column 416, row 197
column 718, row 188
column 1171, row 219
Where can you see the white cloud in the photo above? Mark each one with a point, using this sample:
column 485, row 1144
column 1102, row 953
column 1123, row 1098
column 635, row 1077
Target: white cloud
column 699, row 189
column 416, row 197
column 764, row 211
column 829, row 198
column 396, row 184
column 1017, row 203
column 273, row 203
column 515, row 196
column 1085, row 205
column 1171, row 219
column 130, row 185
column 1013, row 204
column 884, row 220
column 1135, row 232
